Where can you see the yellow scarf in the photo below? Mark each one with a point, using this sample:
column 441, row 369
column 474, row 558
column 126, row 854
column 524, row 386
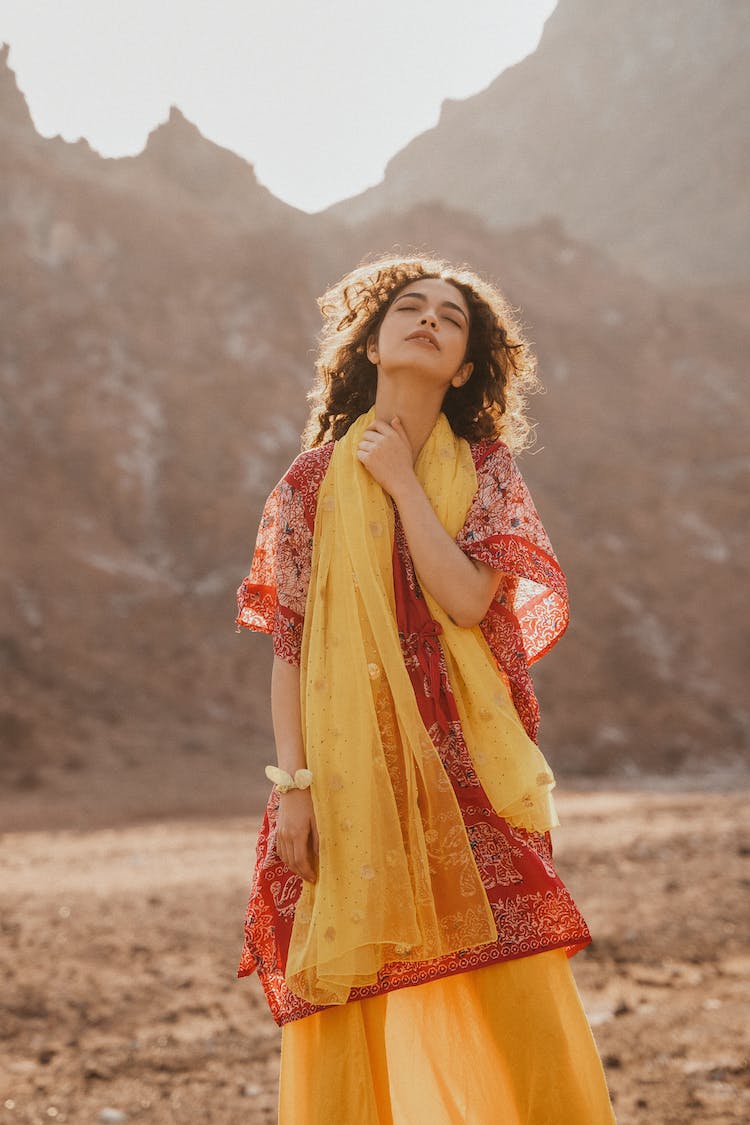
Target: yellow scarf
column 397, row 880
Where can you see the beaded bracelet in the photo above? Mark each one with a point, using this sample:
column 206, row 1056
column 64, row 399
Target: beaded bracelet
column 284, row 781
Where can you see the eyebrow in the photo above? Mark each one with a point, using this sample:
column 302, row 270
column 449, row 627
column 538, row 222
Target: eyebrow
column 445, row 304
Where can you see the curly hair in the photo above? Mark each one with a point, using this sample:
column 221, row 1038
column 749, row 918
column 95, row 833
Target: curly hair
column 491, row 404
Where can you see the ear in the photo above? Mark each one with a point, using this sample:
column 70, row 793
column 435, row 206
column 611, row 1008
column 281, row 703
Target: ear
column 462, row 375
column 371, row 349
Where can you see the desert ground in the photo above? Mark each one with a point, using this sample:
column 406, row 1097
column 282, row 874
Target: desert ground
column 120, row 949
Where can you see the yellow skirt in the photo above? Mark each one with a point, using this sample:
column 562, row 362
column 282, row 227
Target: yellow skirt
column 507, row 1044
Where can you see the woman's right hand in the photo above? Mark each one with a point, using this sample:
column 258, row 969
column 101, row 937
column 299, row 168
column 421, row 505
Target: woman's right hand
column 297, row 842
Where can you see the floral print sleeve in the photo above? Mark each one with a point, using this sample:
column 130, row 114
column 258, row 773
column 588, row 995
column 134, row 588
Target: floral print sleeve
column 530, row 610
column 271, row 598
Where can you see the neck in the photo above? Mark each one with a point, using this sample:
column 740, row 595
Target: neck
column 417, row 405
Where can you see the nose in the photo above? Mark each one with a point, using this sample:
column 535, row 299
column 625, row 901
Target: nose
column 429, row 316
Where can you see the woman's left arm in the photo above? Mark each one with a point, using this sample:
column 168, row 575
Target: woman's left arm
column 463, row 586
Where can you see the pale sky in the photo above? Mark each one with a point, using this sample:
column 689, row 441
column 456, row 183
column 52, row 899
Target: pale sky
column 317, row 96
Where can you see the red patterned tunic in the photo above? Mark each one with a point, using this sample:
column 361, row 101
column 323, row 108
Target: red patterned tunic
column 533, row 909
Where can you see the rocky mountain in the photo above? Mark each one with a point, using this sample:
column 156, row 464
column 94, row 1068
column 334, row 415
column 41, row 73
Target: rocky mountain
column 178, row 160
column 147, row 358
column 627, row 124
column 157, row 335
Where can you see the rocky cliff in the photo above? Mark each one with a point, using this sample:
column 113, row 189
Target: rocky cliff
column 627, row 124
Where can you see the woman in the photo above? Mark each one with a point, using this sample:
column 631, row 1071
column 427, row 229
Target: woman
column 405, row 918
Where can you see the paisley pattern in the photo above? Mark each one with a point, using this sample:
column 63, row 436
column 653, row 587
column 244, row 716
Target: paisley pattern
column 532, row 908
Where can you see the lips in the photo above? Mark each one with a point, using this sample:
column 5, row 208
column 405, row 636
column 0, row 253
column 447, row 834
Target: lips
column 426, row 335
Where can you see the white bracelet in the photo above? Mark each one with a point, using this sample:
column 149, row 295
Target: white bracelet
column 284, row 781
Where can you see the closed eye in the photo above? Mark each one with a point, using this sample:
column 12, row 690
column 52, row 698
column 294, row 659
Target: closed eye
column 413, row 308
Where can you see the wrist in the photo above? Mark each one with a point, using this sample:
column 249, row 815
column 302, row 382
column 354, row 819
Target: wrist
column 291, row 767
column 285, row 781
column 406, row 487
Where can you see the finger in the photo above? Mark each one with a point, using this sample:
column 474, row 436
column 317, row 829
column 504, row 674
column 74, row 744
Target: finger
column 303, row 863
column 285, row 849
column 380, row 426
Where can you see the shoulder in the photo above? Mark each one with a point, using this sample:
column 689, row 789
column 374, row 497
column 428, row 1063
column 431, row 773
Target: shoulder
column 491, row 455
column 302, row 480
column 309, row 467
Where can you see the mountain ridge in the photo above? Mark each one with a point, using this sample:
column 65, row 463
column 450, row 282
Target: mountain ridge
column 600, row 126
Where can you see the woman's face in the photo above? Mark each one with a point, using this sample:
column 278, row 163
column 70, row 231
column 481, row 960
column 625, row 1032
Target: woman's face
column 426, row 328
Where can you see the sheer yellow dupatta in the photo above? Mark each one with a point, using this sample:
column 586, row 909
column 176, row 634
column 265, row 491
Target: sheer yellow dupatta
column 396, row 875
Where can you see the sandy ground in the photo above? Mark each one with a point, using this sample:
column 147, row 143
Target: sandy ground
column 119, row 953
